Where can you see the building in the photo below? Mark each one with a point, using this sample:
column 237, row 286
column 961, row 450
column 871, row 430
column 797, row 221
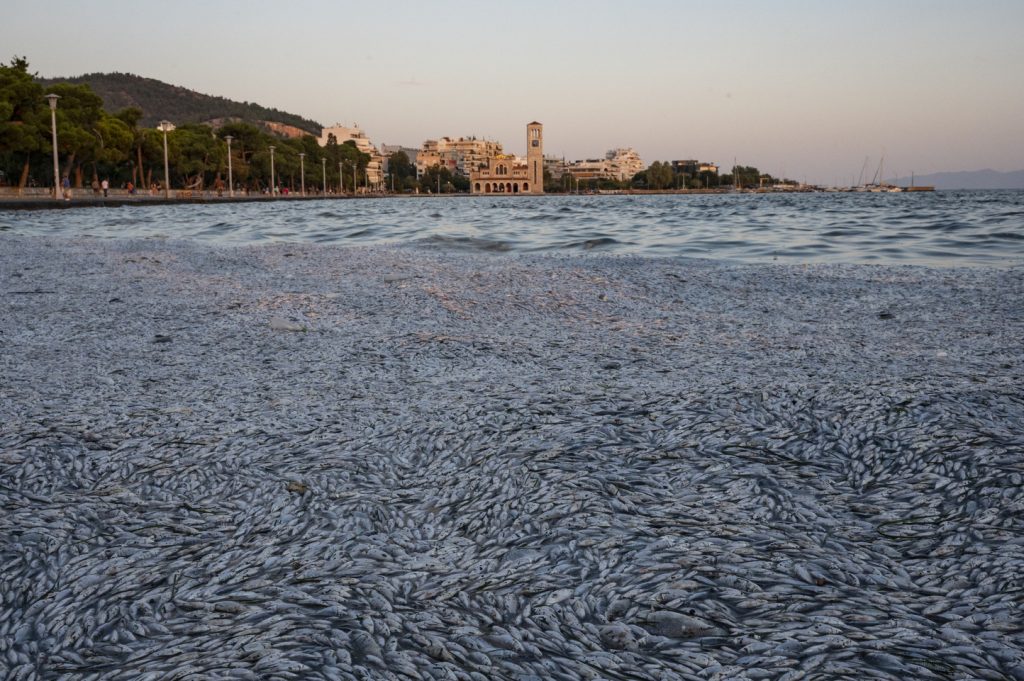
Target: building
column 389, row 150
column 375, row 167
column 625, row 163
column 693, row 167
column 593, row 169
column 687, row 167
column 509, row 175
column 618, row 165
column 556, row 167
column 460, row 155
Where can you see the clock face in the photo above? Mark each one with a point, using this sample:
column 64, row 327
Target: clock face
column 536, row 143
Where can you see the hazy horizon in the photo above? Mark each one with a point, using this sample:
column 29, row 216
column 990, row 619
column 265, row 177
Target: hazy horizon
column 801, row 89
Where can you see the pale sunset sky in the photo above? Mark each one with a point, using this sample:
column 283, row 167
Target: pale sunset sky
column 806, row 89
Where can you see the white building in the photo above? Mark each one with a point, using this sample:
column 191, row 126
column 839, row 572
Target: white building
column 355, row 134
column 617, row 164
column 626, row 162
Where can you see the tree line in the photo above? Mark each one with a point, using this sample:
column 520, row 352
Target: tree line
column 93, row 144
column 662, row 175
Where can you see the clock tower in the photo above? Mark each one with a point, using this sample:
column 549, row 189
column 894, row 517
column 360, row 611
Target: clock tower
column 535, row 157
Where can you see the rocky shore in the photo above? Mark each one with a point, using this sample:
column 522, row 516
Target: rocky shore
column 308, row 462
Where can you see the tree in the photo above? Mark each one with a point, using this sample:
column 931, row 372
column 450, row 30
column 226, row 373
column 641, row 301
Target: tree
column 659, row 176
column 743, row 176
column 194, row 150
column 24, row 123
column 353, row 157
column 131, row 117
column 115, row 140
column 250, row 160
column 438, row 177
column 402, row 171
column 78, row 114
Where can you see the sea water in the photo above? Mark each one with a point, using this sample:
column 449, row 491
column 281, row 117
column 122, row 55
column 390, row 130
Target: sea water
column 945, row 229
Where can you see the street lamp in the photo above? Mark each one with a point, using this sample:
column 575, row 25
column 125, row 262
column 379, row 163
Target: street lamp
column 323, row 162
column 231, row 184
column 302, row 172
column 52, row 99
column 354, row 176
column 341, row 179
column 272, row 185
column 166, row 127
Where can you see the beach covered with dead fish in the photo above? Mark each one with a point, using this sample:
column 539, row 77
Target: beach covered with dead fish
column 305, row 462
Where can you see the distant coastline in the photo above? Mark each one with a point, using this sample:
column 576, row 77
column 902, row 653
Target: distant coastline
column 969, row 179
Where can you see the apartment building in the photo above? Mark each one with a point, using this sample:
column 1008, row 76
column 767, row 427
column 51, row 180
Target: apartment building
column 625, row 162
column 618, row 164
column 693, row 167
column 461, row 155
column 375, row 167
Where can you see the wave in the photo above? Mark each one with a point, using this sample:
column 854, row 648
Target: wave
column 941, row 228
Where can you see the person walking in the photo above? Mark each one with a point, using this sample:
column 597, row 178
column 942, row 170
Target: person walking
column 105, row 185
column 66, row 185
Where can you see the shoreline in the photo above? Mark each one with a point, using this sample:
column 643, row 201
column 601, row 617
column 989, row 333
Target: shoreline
column 86, row 200
column 326, row 461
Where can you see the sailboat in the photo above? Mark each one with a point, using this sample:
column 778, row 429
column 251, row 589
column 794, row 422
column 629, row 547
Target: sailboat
column 881, row 187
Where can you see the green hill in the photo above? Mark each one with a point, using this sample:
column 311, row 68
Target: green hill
column 159, row 100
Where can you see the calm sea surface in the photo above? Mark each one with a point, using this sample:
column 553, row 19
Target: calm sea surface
column 942, row 228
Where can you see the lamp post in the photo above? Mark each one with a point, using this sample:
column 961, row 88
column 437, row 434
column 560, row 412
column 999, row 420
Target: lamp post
column 323, row 162
column 272, row 185
column 166, row 127
column 341, row 179
column 231, row 184
column 354, row 176
column 302, row 172
column 52, row 99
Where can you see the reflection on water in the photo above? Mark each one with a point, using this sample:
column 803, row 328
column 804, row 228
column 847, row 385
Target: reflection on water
column 942, row 228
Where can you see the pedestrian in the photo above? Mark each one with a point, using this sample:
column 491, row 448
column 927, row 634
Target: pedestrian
column 95, row 186
column 66, row 184
column 106, row 186
column 130, row 187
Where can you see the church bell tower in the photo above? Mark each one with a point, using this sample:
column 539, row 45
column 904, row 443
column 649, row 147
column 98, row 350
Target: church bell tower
column 535, row 157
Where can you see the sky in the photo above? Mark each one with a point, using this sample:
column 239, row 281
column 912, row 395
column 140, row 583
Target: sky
column 814, row 90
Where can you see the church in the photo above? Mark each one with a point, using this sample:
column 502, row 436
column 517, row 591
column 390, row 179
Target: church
column 502, row 175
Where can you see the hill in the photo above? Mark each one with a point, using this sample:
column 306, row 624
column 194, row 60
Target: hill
column 972, row 179
column 159, row 101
